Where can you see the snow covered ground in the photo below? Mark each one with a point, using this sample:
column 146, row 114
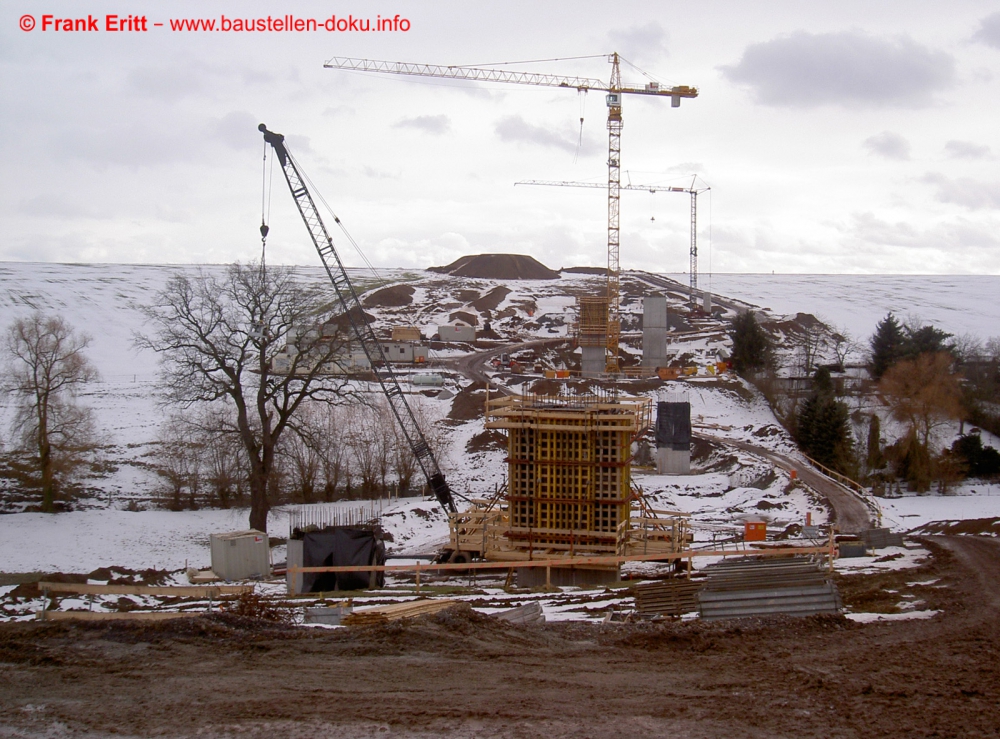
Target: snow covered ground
column 104, row 300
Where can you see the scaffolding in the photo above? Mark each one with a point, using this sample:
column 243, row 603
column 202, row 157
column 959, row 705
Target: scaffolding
column 569, row 460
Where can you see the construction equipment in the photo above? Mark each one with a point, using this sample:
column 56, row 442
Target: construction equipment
column 693, row 191
column 614, row 89
column 359, row 323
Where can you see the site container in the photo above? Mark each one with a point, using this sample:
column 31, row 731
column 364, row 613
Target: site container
column 754, row 531
column 241, row 555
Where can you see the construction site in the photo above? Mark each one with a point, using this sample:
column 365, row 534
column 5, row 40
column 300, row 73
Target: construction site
column 594, row 526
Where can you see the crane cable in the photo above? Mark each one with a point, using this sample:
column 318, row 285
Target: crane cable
column 265, row 208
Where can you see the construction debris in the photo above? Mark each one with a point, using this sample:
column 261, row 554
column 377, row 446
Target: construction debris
column 529, row 613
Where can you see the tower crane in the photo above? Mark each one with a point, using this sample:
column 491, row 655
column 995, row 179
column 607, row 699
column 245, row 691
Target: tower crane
column 614, row 89
column 693, row 191
column 356, row 317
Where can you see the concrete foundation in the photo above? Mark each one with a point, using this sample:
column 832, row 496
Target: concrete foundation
column 592, row 361
column 562, row 577
column 672, row 461
column 654, row 331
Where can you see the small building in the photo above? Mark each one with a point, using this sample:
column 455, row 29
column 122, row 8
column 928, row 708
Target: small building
column 457, row 331
column 406, row 333
column 404, row 352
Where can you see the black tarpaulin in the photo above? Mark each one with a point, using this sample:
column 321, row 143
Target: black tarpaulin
column 341, row 547
column 673, row 426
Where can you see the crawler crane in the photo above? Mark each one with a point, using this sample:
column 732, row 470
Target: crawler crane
column 359, row 324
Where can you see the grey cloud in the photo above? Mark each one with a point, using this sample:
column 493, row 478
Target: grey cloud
column 641, row 44
column 169, row 83
column 53, row 205
column 849, row 68
column 433, row 124
column 515, row 129
column 966, row 150
column 889, row 145
column 965, row 191
column 237, row 130
column 989, row 31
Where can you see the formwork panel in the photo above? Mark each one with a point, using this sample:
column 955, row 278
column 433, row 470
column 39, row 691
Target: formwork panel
column 568, row 469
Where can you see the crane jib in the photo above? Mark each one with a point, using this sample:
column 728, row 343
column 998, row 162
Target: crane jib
column 362, row 330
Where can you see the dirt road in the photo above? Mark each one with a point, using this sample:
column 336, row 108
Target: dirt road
column 850, row 513
column 462, row 674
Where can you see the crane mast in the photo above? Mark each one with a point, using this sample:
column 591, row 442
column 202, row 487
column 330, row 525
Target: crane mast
column 362, row 330
column 614, row 89
column 692, row 191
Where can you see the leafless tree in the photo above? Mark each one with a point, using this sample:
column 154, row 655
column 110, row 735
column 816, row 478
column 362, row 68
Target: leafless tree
column 46, row 369
column 370, row 440
column 219, row 340
column 179, row 461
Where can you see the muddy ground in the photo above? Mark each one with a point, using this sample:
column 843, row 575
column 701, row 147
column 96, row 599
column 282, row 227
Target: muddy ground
column 462, row 674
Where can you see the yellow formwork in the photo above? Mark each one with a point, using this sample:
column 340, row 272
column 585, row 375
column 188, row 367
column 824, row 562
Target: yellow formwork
column 569, row 468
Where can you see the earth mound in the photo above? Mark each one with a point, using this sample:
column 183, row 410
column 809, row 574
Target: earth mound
column 600, row 271
column 498, row 267
column 390, row 297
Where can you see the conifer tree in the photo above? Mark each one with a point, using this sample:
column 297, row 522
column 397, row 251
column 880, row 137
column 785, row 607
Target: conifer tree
column 753, row 349
column 822, row 429
column 888, row 345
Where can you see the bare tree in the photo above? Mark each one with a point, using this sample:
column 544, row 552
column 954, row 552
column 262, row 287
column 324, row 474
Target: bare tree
column 923, row 393
column 179, row 461
column 46, row 368
column 219, row 340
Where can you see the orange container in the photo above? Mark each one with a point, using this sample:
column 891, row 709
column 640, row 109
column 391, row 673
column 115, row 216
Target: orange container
column 754, row 531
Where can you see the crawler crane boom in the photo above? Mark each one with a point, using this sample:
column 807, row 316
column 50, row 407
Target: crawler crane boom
column 351, row 304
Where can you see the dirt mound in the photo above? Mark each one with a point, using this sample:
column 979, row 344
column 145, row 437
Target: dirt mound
column 967, row 527
column 602, row 271
column 393, row 296
column 498, row 267
column 492, row 299
column 468, row 405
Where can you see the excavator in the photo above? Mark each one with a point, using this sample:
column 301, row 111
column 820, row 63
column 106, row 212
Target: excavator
column 360, row 327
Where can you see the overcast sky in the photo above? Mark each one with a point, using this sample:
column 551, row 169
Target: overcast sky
column 836, row 137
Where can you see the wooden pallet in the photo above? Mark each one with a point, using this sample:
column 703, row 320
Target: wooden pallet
column 667, row 598
column 396, row 611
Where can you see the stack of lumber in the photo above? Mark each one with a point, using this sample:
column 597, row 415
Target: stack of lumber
column 666, row 598
column 396, row 611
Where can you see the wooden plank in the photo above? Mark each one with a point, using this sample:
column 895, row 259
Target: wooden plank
column 782, row 551
column 121, row 616
column 176, row 591
column 396, row 611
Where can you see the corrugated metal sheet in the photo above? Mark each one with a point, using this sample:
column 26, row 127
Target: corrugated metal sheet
column 795, row 586
column 241, row 555
column 666, row 598
column 881, row 538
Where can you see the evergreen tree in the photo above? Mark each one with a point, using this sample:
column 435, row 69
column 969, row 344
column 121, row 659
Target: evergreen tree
column 822, row 429
column 753, row 349
column 888, row 345
column 925, row 340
